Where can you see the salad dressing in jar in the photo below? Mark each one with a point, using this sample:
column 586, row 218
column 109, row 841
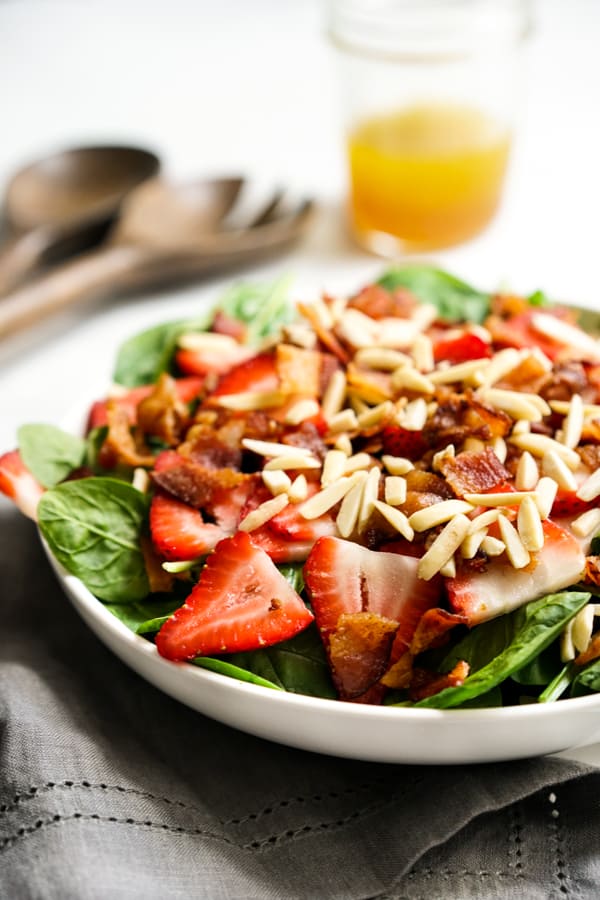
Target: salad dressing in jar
column 429, row 94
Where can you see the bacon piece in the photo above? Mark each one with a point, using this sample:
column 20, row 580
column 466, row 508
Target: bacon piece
column 159, row 579
column 592, row 570
column 480, row 416
column 379, row 303
column 426, row 684
column 433, row 626
column 307, row 436
column 214, row 448
column 590, row 456
column 474, row 472
column 566, row 380
column 162, row 414
column 399, row 674
column 121, row 444
column 299, row 370
column 326, row 337
column 359, row 650
column 591, row 652
column 194, row 483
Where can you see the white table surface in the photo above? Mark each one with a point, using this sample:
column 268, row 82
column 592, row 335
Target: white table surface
column 240, row 86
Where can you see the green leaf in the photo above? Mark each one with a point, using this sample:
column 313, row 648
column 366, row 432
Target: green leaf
column 541, row 622
column 455, row 300
column 146, row 616
column 294, row 574
column 263, row 308
column 93, row 527
column 595, row 545
column 482, row 644
column 559, row 684
column 587, row 681
column 49, row 453
column 142, row 358
column 539, row 298
column 232, row 671
column 542, row 669
column 298, row 665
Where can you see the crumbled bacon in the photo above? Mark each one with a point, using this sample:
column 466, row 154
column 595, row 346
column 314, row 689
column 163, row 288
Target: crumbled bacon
column 433, row 628
column 359, row 651
column 472, row 472
column 591, row 652
column 308, row 437
column 425, row 683
column 590, row 455
column 159, row 579
column 379, row 303
column 122, row 443
column 592, row 570
column 214, row 448
column 564, row 381
column 196, row 484
column 162, row 414
column 299, row 370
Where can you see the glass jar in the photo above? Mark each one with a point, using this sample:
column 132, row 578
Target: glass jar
column 429, row 89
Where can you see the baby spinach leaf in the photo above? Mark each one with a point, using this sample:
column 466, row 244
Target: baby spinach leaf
column 455, row 300
column 93, row 527
column 142, row 358
column 587, row 680
column 559, row 684
column 232, row 671
column 263, row 308
column 541, row 622
column 542, row 669
column 49, row 453
column 293, row 573
column 482, row 644
column 146, row 616
column 298, row 665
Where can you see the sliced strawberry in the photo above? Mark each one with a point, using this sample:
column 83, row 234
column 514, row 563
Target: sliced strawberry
column 398, row 441
column 206, row 359
column 241, row 602
column 17, row 482
column 280, row 549
column 461, row 348
column 343, row 577
column 258, row 373
column 568, row 504
column 187, row 390
column 501, row 588
column 290, row 524
column 179, row 531
column 518, row 331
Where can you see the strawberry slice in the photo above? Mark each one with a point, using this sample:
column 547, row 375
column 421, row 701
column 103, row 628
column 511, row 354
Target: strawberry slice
column 205, row 360
column 179, row 532
column 501, row 588
column 293, row 526
column 259, row 373
column 187, row 390
column 241, row 602
column 279, row 548
column 399, row 441
column 462, row 348
column 17, row 482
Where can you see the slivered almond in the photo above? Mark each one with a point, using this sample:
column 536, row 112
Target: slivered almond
column 474, row 444
column 583, row 626
column 498, row 445
column 292, row 461
column 271, row 448
column 515, row 549
column 544, row 495
column 484, row 520
column 381, row 358
column 344, row 444
column 438, row 513
column 336, row 307
column 501, row 364
column 492, row 546
column 356, row 462
column 515, row 404
column 397, row 465
column 395, row 489
column 414, row 415
column 300, row 411
column 408, row 379
column 334, row 396
column 444, row 547
column 441, row 456
column 397, row 334
column 466, row 371
column 263, row 513
column 298, row 489
column 539, row 444
column 345, row 420
column 206, row 340
column 587, row 523
column 566, row 334
column 562, row 408
column 567, row 648
column 357, row 329
column 527, row 475
column 376, row 415
column 422, row 353
column 472, row 543
column 321, row 502
column 590, row 489
column 521, row 427
column 140, row 480
column 510, row 498
column 529, row 525
column 183, row 566
column 248, row 401
column 573, row 423
column 277, row 481
column 396, row 518
column 350, row 507
column 300, row 334
column 449, row 569
column 358, row 404
column 554, row 467
column 333, row 466
column 369, row 496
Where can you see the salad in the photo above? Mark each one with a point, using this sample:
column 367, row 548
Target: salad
column 387, row 498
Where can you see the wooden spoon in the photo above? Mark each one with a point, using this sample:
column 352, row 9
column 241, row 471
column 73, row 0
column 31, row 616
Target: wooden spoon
column 166, row 232
column 63, row 204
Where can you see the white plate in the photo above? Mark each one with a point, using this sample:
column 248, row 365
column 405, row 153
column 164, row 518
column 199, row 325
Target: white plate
column 378, row 733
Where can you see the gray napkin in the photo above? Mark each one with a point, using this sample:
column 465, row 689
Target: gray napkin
column 109, row 789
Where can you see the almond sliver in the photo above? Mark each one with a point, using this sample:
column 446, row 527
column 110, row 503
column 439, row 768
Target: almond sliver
column 590, row 489
column 347, row 517
column 515, row 549
column 529, row 524
column 270, row 448
column 263, row 513
column 396, row 518
column 438, row 513
column 321, row 502
column 443, row 548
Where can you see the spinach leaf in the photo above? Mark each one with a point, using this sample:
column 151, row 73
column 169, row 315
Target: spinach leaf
column 455, row 300
column 541, row 622
column 146, row 616
column 93, row 527
column 145, row 356
column 298, row 665
column 293, row 573
column 559, row 684
column 263, row 308
column 587, row 680
column 232, row 671
column 482, row 644
column 542, row 669
column 539, row 298
column 595, row 545
column 49, row 453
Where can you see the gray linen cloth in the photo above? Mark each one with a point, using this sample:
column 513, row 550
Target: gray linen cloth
column 109, row 789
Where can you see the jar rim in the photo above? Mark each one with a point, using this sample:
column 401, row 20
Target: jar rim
column 428, row 30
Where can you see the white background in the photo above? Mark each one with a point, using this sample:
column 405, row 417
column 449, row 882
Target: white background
column 220, row 86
